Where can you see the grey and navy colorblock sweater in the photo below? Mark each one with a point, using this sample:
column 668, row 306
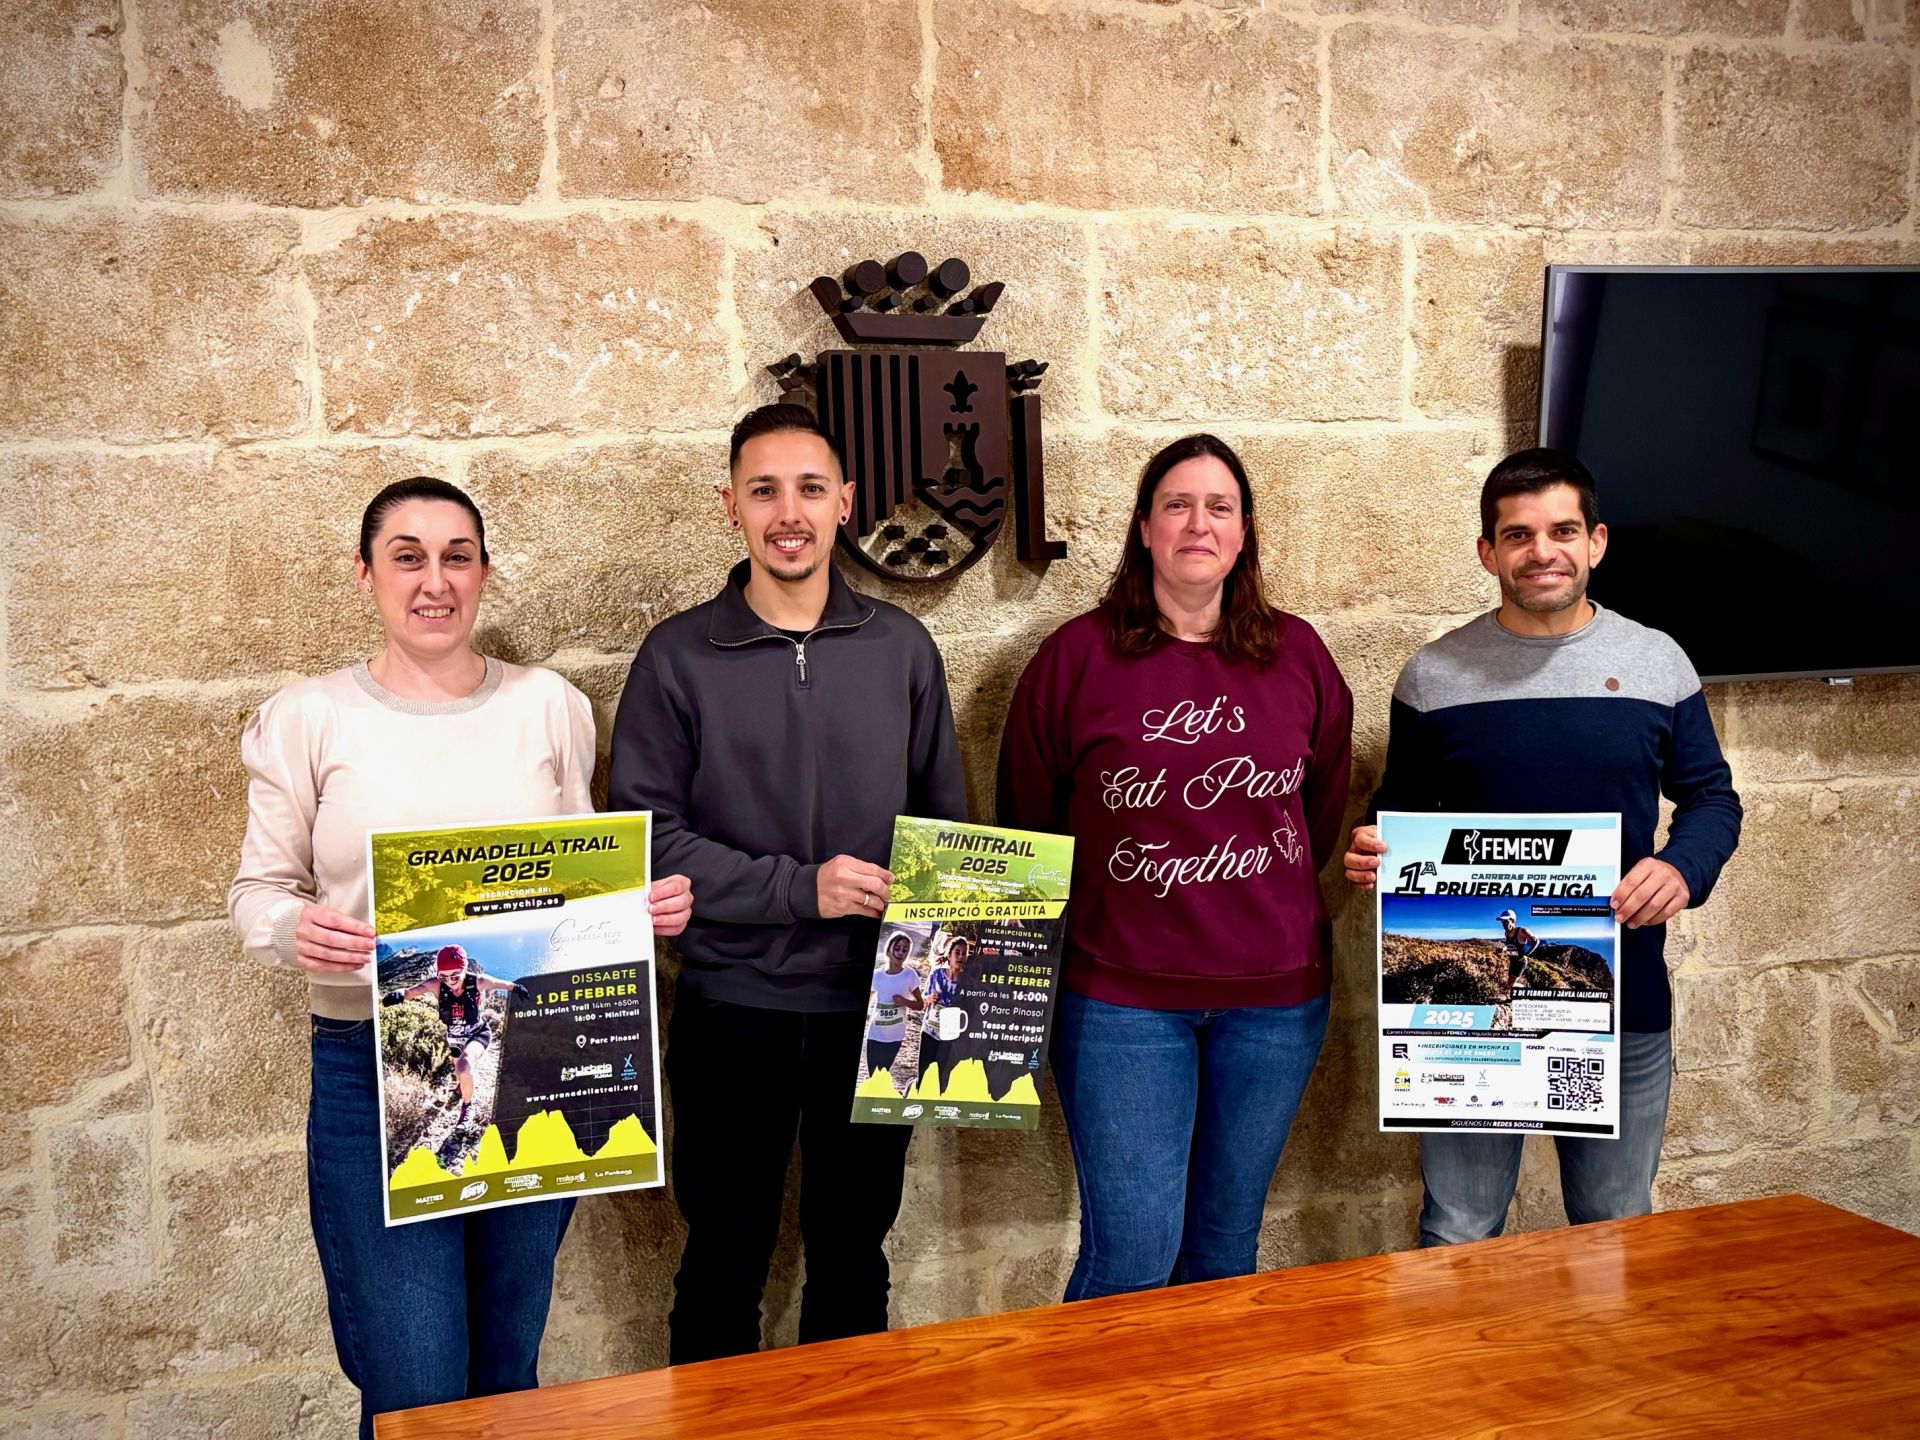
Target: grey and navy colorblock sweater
column 1610, row 717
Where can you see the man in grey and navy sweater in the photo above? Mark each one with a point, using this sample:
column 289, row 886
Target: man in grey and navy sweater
column 1551, row 703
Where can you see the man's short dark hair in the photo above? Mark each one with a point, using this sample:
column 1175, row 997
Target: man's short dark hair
column 774, row 420
column 1528, row 472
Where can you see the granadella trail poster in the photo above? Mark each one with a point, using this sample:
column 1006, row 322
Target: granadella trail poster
column 514, row 989
column 965, row 977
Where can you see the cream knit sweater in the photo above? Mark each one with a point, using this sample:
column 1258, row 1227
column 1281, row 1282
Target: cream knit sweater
column 334, row 757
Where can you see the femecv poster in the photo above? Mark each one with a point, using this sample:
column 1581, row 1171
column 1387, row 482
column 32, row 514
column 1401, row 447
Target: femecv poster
column 1499, row 979
column 513, row 985
column 965, row 977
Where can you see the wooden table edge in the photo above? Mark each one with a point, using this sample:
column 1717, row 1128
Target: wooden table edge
column 403, row 1424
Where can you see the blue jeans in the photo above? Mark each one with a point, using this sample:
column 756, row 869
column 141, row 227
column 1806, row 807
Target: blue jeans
column 1470, row 1177
column 439, row 1310
column 1177, row 1119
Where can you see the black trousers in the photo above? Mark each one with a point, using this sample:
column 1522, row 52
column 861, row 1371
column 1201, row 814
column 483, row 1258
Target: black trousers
column 744, row 1081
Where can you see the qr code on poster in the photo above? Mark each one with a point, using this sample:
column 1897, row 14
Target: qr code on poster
column 1573, row 1081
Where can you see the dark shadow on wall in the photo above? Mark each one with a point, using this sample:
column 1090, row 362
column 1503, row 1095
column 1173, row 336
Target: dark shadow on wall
column 1520, row 393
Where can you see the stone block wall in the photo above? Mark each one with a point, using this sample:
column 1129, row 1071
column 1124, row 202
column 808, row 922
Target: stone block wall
column 256, row 259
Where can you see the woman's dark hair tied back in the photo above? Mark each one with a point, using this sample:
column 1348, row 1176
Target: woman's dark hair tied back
column 1249, row 627
column 417, row 487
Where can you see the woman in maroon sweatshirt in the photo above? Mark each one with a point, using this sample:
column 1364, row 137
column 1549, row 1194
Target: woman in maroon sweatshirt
column 1195, row 742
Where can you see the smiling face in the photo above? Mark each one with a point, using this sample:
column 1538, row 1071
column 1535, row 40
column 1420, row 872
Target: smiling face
column 897, row 953
column 787, row 498
column 1542, row 551
column 1195, row 526
column 426, row 576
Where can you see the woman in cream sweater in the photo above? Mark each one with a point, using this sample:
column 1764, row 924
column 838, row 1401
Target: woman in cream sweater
column 426, row 732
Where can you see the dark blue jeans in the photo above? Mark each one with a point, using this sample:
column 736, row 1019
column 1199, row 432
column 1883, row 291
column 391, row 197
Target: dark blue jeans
column 438, row 1310
column 1177, row 1119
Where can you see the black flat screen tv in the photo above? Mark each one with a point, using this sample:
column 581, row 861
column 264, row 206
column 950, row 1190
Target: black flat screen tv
column 1754, row 438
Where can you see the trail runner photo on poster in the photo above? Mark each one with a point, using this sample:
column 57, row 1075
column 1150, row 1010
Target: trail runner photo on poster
column 1499, row 976
column 965, row 977
column 513, row 985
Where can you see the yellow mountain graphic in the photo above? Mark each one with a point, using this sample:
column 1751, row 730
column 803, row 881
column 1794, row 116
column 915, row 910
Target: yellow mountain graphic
column 628, row 1137
column 546, row 1139
column 1021, row 1092
column 419, row 1168
column 878, row 1085
column 969, row 1083
column 490, row 1158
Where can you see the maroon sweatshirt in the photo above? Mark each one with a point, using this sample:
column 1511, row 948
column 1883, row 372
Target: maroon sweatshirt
column 1203, row 797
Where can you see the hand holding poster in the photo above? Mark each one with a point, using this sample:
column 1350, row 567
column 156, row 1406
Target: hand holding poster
column 513, row 981
column 964, row 980
column 1499, row 989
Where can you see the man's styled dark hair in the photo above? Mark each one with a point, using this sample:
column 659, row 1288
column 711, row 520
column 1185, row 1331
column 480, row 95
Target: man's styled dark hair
column 1248, row 628
column 773, row 420
column 1528, row 472
column 417, row 487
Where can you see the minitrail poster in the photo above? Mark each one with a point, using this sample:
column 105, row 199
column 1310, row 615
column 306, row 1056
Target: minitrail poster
column 519, row 1055
column 965, row 977
column 1499, row 974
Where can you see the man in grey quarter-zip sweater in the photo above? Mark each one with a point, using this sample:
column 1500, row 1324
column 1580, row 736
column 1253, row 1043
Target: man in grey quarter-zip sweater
column 775, row 732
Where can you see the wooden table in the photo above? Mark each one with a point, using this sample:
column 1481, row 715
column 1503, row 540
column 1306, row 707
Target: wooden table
column 1769, row 1317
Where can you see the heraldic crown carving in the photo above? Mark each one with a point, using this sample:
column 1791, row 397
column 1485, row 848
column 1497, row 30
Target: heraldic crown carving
column 938, row 442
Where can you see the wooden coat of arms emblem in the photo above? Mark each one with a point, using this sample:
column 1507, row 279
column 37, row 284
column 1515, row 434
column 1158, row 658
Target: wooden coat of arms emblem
column 939, row 442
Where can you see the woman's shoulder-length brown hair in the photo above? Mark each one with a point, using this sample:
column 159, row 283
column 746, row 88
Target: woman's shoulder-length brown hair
column 1249, row 628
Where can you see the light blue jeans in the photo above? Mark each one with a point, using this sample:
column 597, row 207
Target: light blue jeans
column 1177, row 1119
column 1470, row 1177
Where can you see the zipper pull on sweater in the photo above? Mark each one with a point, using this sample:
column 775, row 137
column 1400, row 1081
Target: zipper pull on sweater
column 800, row 660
